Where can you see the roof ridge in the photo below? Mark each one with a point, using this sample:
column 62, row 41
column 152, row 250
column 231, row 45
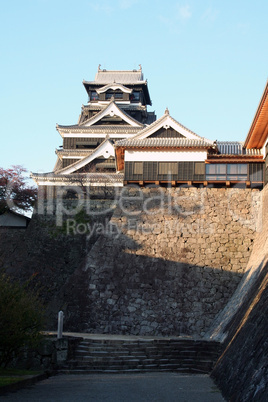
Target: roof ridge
column 162, row 141
column 168, row 116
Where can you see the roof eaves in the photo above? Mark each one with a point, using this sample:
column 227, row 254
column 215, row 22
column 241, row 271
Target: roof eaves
column 263, row 99
column 163, row 142
column 90, row 154
column 105, row 108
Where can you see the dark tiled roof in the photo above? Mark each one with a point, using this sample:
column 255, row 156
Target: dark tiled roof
column 123, row 106
column 163, row 142
column 87, row 177
column 93, row 106
column 101, row 177
column 74, row 152
column 162, row 119
column 101, row 129
column 235, row 148
column 73, row 165
column 106, row 108
column 120, row 77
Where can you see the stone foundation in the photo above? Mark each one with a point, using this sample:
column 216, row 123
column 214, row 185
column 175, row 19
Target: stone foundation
column 165, row 264
column 169, row 262
column 242, row 371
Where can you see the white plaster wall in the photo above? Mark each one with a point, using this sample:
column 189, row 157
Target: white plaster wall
column 263, row 151
column 164, row 156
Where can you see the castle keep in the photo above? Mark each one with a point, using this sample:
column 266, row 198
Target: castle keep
column 117, row 141
column 178, row 247
column 183, row 261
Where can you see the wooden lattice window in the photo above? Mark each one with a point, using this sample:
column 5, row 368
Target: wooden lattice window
column 237, row 171
column 199, row 168
column 138, row 168
column 256, row 172
column 165, row 168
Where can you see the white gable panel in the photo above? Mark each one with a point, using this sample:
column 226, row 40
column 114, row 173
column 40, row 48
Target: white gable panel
column 167, row 121
column 165, row 156
column 112, row 110
column 263, row 151
column 114, row 87
column 105, row 149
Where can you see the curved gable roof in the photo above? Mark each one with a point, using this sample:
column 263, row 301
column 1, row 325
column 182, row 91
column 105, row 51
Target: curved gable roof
column 113, row 110
column 105, row 149
column 258, row 132
column 114, row 86
column 167, row 121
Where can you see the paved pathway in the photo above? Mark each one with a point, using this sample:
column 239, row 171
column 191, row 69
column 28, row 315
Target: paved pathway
column 147, row 387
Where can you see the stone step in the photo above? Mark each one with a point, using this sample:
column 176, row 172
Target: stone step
column 148, row 346
column 125, row 370
column 140, row 355
column 203, row 367
column 116, row 355
column 147, row 343
column 109, row 357
column 101, row 360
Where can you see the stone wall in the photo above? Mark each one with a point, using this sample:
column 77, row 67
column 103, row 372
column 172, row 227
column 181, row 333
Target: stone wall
column 242, row 371
column 168, row 262
column 50, row 355
column 165, row 264
column 46, row 254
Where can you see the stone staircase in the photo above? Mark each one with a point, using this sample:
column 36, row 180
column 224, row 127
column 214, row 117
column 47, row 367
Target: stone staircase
column 142, row 355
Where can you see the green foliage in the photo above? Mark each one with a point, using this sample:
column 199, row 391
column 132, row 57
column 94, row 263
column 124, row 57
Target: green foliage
column 10, row 376
column 21, row 319
column 9, row 380
column 8, row 372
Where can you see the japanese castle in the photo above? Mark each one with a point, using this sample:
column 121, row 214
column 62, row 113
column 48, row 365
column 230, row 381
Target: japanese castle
column 117, row 142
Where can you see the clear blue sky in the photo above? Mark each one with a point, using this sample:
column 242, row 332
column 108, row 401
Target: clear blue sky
column 207, row 61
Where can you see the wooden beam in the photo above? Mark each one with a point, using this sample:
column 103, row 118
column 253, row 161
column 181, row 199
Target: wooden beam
column 234, row 158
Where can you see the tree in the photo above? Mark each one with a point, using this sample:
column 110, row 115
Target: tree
column 21, row 318
column 15, row 194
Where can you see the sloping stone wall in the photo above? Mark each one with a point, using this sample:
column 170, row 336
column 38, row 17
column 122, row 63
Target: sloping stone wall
column 168, row 263
column 242, row 371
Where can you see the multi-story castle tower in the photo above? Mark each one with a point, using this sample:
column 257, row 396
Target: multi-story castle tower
column 116, row 110
column 118, row 141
